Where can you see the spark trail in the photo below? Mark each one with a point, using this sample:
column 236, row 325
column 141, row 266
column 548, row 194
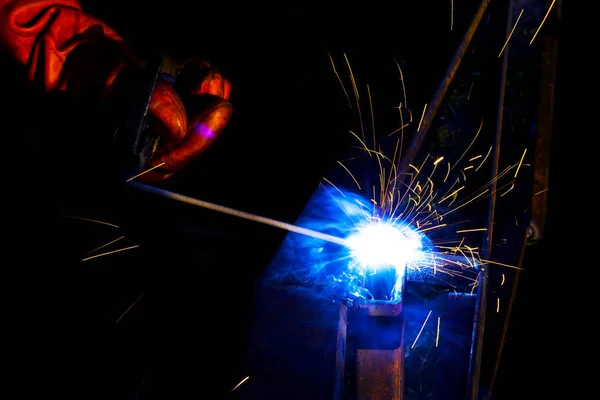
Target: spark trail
column 407, row 223
column 395, row 220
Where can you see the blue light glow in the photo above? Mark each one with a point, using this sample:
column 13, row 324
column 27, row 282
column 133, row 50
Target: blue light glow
column 375, row 247
column 379, row 244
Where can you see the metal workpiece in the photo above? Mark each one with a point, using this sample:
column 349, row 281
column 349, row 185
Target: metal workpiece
column 379, row 374
column 375, row 355
column 309, row 346
column 297, row 346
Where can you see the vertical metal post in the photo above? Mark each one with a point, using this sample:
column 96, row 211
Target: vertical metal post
column 511, row 304
column 544, row 124
column 545, row 119
column 481, row 303
column 379, row 347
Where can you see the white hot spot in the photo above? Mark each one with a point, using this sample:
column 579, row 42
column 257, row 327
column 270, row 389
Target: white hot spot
column 382, row 245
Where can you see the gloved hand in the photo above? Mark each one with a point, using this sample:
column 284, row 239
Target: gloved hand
column 64, row 49
column 188, row 123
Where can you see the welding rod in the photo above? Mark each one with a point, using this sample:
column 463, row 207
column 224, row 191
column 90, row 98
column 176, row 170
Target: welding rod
column 237, row 213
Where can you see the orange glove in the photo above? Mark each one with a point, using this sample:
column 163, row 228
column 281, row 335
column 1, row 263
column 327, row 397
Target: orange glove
column 205, row 93
column 64, row 49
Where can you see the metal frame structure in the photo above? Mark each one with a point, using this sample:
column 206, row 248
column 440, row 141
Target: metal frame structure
column 378, row 372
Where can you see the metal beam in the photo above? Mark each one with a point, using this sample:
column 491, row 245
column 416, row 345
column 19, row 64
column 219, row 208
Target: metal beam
column 545, row 120
column 482, row 288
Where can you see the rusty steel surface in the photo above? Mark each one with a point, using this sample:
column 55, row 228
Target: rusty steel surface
column 379, row 352
column 545, row 121
column 380, row 374
column 378, row 343
column 481, row 304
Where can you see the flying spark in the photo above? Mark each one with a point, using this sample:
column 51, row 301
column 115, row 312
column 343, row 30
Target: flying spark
column 407, row 222
column 421, row 330
column 451, row 14
column 111, row 252
column 239, row 384
column 510, row 34
column 437, row 336
column 129, row 308
column 94, row 221
column 542, row 23
column 105, row 245
column 144, row 172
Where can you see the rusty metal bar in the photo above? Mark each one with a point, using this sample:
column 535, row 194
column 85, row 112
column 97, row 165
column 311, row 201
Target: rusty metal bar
column 379, row 374
column 481, row 303
column 379, row 366
column 511, row 304
column 549, row 54
column 545, row 120
column 438, row 98
column 380, row 350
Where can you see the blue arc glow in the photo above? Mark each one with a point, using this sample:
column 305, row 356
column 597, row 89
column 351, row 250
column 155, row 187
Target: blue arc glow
column 377, row 245
column 371, row 263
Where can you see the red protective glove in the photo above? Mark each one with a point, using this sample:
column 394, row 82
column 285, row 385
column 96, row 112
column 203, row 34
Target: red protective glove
column 206, row 94
column 65, row 49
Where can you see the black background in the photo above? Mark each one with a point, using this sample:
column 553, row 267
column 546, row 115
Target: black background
column 195, row 271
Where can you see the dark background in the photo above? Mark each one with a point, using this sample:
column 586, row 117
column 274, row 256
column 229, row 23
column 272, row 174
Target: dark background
column 194, row 271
